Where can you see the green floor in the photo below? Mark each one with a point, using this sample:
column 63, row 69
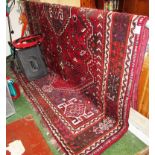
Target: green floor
column 127, row 145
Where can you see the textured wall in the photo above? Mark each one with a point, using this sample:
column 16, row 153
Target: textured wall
column 64, row 2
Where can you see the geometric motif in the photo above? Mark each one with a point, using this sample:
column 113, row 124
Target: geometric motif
column 76, row 109
column 103, row 126
column 56, row 18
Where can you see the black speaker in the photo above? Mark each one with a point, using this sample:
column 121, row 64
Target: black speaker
column 31, row 62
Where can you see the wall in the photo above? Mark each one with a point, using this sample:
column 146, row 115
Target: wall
column 64, row 2
column 7, row 39
column 16, row 26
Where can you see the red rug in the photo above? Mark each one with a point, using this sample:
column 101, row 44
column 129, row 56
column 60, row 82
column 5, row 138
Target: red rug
column 24, row 136
column 93, row 58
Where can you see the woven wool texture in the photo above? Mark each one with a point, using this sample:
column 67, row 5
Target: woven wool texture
column 94, row 60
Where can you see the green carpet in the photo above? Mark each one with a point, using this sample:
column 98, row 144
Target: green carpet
column 127, row 145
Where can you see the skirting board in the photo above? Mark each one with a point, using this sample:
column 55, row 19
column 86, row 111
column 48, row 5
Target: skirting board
column 139, row 126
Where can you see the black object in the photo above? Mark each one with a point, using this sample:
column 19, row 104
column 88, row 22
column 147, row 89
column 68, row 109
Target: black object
column 31, row 63
column 29, row 60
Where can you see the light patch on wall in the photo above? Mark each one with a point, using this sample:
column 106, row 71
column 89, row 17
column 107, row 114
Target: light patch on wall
column 64, row 2
column 15, row 26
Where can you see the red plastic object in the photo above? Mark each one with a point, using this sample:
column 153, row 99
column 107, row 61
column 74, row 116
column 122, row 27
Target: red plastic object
column 27, row 42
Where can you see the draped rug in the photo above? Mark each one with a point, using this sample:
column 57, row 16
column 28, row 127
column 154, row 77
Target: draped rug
column 93, row 65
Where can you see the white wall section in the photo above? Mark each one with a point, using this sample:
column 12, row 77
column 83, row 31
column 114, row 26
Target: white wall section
column 16, row 26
